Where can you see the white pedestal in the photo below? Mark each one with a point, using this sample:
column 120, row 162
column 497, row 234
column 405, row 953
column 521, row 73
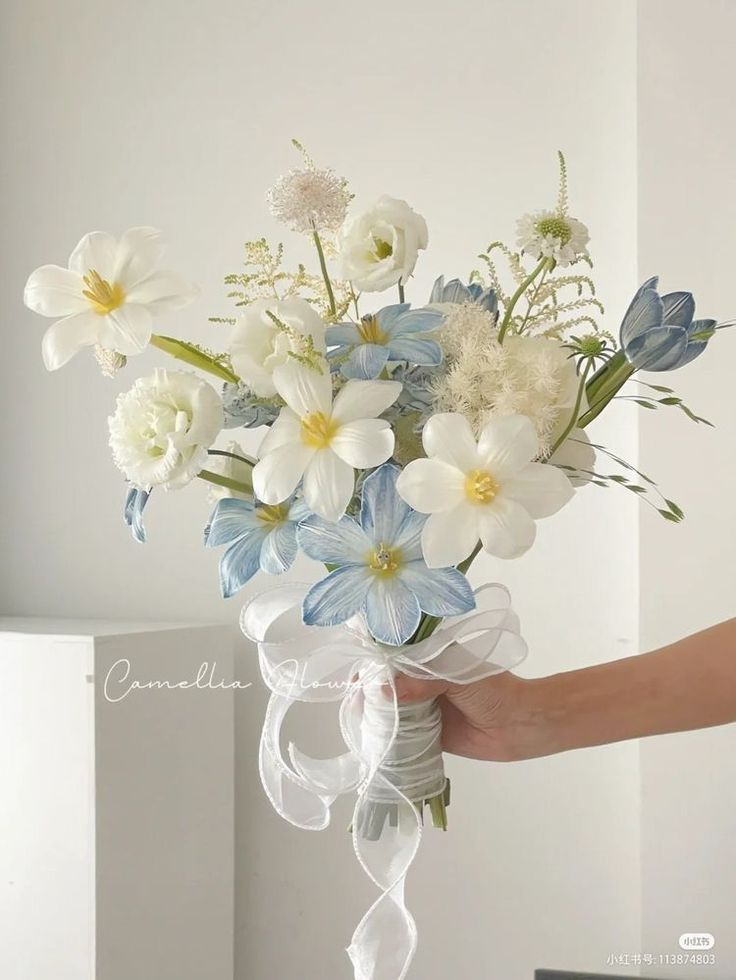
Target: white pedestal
column 116, row 816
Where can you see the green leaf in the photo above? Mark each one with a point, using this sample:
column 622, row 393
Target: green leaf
column 673, row 400
column 644, row 404
column 669, row 516
column 191, row 354
column 675, row 508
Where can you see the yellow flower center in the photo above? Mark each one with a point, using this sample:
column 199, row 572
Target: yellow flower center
column 272, row 514
column 370, row 330
column 318, row 430
column 382, row 249
column 103, row 297
column 384, row 561
column 480, row 487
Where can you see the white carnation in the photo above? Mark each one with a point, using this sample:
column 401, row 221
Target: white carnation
column 267, row 334
column 380, row 247
column 163, row 427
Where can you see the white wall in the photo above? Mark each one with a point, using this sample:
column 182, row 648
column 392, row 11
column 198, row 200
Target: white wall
column 687, row 216
column 178, row 114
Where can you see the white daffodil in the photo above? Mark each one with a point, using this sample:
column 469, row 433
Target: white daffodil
column 321, row 441
column 107, row 297
column 489, row 489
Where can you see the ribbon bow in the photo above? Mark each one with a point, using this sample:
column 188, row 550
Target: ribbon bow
column 393, row 752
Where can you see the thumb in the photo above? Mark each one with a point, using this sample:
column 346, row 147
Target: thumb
column 415, row 689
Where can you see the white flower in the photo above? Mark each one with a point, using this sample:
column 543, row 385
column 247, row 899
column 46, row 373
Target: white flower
column 552, row 235
column 489, row 490
column 379, row 247
column 108, row 296
column 235, row 469
column 526, row 375
column 323, row 442
column 310, row 200
column 163, row 427
column 261, row 342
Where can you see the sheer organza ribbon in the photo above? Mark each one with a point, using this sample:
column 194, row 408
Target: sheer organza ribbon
column 343, row 663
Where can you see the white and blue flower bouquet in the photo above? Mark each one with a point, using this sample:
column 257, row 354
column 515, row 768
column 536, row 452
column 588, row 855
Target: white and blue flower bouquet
column 400, row 442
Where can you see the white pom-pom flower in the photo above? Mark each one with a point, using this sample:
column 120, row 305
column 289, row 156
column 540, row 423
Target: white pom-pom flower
column 488, row 490
column 163, row 427
column 107, row 297
column 310, row 200
column 380, row 247
column 267, row 334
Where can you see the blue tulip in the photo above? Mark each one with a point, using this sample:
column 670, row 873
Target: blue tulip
column 135, row 502
column 457, row 292
column 659, row 333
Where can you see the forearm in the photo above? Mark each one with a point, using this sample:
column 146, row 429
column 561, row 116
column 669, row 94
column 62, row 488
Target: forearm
column 687, row 685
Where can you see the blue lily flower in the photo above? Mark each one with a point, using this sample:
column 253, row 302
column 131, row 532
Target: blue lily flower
column 457, row 292
column 392, row 334
column 259, row 538
column 135, row 502
column 658, row 333
column 380, row 572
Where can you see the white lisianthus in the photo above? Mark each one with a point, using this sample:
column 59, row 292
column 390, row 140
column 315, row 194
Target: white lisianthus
column 321, row 442
column 489, row 489
column 229, row 466
column 163, row 427
column 380, row 247
column 107, row 297
column 265, row 336
column 552, row 235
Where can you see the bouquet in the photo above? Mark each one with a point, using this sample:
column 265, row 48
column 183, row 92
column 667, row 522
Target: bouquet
column 401, row 440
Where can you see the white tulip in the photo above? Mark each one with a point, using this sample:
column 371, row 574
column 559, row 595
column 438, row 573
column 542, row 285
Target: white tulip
column 163, row 427
column 267, row 333
column 380, row 247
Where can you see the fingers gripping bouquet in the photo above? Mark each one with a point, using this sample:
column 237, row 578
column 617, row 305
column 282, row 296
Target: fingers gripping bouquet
column 399, row 442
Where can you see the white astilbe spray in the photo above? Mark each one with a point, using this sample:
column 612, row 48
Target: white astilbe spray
column 532, row 376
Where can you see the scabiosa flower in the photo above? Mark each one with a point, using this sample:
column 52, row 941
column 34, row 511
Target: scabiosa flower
column 380, row 572
column 393, row 334
column 310, row 200
column 456, row 293
column 489, row 489
column 526, row 375
column 552, row 235
column 258, row 538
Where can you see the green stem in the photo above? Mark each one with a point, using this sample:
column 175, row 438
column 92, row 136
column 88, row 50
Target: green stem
column 517, row 295
column 224, row 481
column 222, row 452
column 401, row 291
column 190, row 354
column 576, row 409
column 325, row 274
column 605, row 385
column 533, row 300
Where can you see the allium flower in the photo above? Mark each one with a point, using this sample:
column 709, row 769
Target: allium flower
column 107, row 297
column 553, row 235
column 268, row 333
column 310, row 200
column 489, row 490
column 321, row 441
column 243, row 408
column 135, row 502
column 393, row 334
column 526, row 375
column 163, row 427
column 658, row 333
column 457, row 293
column 380, row 247
column 258, row 538
column 230, row 466
column 380, row 570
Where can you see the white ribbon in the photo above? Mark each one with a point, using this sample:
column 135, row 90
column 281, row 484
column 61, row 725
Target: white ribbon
column 393, row 751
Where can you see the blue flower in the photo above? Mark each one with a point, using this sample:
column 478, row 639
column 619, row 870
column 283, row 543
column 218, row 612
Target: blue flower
column 259, row 538
column 456, row 292
column 243, row 408
column 392, row 334
column 658, row 333
column 380, row 572
column 135, row 503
